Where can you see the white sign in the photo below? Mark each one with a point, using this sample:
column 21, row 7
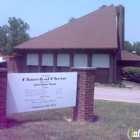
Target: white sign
column 40, row 91
column 1, row 58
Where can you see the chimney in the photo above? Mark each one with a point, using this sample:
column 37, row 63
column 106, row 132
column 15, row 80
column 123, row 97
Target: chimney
column 120, row 13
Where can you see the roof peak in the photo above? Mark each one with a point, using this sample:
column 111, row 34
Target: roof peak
column 103, row 6
column 96, row 30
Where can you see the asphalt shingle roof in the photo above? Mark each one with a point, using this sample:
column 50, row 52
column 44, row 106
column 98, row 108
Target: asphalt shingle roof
column 96, row 30
column 127, row 56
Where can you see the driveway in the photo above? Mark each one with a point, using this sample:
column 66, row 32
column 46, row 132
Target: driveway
column 117, row 94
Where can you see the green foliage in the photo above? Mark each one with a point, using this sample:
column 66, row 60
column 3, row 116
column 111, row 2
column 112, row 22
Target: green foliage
column 13, row 35
column 4, row 38
column 117, row 84
column 71, row 19
column 135, row 47
column 132, row 73
column 128, row 46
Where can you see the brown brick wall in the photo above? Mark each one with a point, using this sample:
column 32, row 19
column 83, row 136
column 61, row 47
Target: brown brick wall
column 14, row 63
column 19, row 64
column 71, row 61
column 89, row 60
column 47, row 68
column 3, row 88
column 54, row 62
column 83, row 111
column 112, row 69
column 63, row 69
column 102, row 75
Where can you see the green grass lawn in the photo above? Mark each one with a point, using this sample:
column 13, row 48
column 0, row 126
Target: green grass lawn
column 112, row 121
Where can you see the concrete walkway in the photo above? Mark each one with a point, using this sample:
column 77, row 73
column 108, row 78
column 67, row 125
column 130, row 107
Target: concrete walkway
column 117, row 94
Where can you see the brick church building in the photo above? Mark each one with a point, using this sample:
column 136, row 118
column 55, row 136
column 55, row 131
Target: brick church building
column 94, row 40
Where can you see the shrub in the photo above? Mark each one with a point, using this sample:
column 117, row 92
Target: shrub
column 117, row 84
column 132, row 73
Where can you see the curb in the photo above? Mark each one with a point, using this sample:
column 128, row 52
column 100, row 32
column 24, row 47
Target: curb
column 116, row 100
column 117, row 88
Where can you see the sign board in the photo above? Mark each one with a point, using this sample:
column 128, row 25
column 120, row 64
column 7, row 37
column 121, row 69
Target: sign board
column 40, row 91
column 1, row 58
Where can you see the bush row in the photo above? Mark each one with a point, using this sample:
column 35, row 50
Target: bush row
column 132, row 73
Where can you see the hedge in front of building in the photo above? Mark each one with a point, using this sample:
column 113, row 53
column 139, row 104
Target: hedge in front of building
column 132, row 73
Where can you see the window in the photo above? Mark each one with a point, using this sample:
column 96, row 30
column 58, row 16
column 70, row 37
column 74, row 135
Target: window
column 32, row 59
column 100, row 60
column 80, row 60
column 47, row 59
column 63, row 60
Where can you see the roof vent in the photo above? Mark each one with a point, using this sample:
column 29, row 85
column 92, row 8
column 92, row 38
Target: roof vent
column 134, row 52
column 102, row 6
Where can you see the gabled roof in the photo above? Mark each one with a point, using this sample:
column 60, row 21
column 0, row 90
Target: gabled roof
column 127, row 56
column 96, row 30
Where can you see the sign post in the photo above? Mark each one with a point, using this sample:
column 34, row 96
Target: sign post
column 83, row 111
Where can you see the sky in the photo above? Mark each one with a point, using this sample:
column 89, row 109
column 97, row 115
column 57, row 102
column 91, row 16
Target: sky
column 45, row 15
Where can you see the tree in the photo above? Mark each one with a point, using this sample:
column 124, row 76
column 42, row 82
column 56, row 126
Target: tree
column 71, row 19
column 128, row 46
column 137, row 47
column 4, row 38
column 13, row 35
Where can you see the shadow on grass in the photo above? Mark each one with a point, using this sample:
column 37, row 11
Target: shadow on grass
column 37, row 116
column 95, row 118
column 12, row 122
